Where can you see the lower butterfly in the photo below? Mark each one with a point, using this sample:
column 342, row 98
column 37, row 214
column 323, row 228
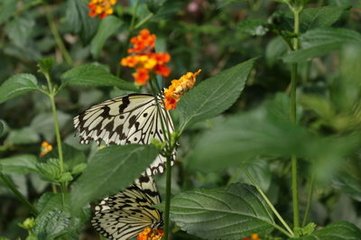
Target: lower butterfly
column 134, row 118
column 127, row 213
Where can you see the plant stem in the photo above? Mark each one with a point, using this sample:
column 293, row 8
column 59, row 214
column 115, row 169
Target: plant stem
column 59, row 42
column 289, row 232
column 51, row 96
column 293, row 116
column 169, row 154
column 167, row 197
column 309, row 200
column 12, row 187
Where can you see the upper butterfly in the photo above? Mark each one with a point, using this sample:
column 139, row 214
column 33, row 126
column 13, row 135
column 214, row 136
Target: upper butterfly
column 134, row 118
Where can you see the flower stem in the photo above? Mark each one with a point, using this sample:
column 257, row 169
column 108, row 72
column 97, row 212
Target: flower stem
column 51, row 96
column 57, row 38
column 309, row 200
column 169, row 155
column 167, row 197
column 289, row 232
column 293, row 116
column 12, row 187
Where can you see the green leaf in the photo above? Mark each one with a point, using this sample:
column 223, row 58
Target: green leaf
column 23, row 164
column 306, row 230
column 7, row 9
column 108, row 26
column 43, row 123
column 52, row 224
column 19, row 30
column 320, row 17
column 79, row 21
column 45, row 65
column 94, row 75
column 214, row 95
column 54, row 218
column 318, row 42
column 17, row 85
column 231, row 213
column 52, row 172
column 266, row 132
column 336, row 231
column 110, row 170
column 275, row 49
column 25, row 135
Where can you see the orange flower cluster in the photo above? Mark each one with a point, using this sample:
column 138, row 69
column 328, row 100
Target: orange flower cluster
column 101, row 8
column 150, row 234
column 45, row 148
column 254, row 236
column 144, row 59
column 174, row 92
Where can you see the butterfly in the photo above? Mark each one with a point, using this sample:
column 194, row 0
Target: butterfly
column 134, row 118
column 126, row 214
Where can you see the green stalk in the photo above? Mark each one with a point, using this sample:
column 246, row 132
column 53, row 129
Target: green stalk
column 51, row 95
column 309, row 200
column 12, row 187
column 289, row 232
column 59, row 42
column 293, row 117
column 169, row 150
column 167, row 197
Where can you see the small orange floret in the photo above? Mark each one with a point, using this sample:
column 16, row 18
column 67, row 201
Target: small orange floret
column 143, row 42
column 101, row 8
column 162, row 70
column 150, row 234
column 141, row 76
column 45, row 148
column 254, row 236
column 174, row 92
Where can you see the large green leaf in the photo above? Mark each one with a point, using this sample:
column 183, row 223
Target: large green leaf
column 231, row 213
column 110, row 170
column 214, row 95
column 78, row 19
column 336, row 231
column 24, row 135
column 17, row 85
column 266, row 131
column 94, row 75
column 23, row 164
column 54, row 217
column 107, row 28
column 318, row 42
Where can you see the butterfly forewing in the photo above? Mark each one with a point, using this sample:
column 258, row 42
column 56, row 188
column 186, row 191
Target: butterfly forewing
column 125, row 214
column 135, row 118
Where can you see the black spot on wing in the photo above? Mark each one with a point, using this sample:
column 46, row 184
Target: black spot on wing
column 124, row 105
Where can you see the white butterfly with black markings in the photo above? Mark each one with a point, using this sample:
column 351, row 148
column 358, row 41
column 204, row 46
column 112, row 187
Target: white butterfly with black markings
column 134, row 118
column 127, row 213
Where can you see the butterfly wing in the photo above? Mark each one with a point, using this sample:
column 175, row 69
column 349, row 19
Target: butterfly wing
column 135, row 118
column 125, row 214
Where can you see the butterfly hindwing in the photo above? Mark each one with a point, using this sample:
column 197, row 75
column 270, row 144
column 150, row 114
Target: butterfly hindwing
column 134, row 118
column 125, row 214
